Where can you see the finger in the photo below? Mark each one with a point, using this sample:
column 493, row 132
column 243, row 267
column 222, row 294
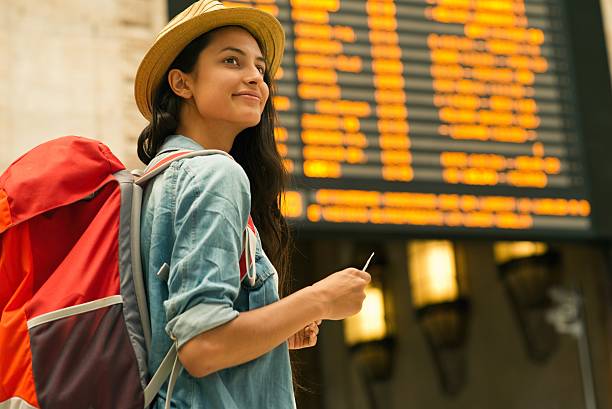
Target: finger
column 363, row 274
column 366, row 276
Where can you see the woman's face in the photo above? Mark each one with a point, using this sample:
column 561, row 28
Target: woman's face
column 228, row 79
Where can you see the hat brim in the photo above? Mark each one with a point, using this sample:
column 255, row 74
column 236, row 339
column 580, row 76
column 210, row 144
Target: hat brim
column 266, row 29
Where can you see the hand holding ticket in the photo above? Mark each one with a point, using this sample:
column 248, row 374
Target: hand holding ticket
column 342, row 293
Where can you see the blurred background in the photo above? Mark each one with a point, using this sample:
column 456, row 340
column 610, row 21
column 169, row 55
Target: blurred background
column 465, row 142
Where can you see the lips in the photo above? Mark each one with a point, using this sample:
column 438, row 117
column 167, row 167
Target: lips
column 249, row 94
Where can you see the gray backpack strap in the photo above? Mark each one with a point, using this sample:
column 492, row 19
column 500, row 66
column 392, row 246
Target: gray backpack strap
column 176, row 370
column 170, row 366
column 161, row 164
column 160, row 376
column 137, row 276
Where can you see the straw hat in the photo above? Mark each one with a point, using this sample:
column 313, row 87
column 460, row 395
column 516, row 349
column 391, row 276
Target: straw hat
column 197, row 19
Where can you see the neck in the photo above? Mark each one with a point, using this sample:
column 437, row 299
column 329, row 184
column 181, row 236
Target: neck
column 211, row 134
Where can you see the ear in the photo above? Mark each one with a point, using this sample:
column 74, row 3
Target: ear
column 180, row 83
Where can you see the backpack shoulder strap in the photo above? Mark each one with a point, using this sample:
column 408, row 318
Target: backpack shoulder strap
column 161, row 163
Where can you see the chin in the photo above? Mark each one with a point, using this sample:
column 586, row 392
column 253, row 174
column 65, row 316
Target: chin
column 247, row 124
column 249, row 120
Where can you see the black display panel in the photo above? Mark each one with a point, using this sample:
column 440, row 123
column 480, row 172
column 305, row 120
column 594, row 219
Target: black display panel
column 431, row 116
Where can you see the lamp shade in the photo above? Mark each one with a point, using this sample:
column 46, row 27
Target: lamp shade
column 511, row 250
column 433, row 272
column 528, row 270
column 370, row 323
column 441, row 306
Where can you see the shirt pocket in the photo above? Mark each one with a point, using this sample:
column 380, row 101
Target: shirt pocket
column 264, row 291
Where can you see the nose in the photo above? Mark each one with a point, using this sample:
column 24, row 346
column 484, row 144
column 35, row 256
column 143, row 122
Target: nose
column 253, row 76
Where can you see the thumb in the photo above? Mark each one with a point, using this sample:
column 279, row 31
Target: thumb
column 366, row 276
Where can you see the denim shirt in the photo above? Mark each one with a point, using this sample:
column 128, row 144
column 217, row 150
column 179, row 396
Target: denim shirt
column 193, row 218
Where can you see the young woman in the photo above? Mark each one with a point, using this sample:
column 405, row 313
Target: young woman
column 206, row 84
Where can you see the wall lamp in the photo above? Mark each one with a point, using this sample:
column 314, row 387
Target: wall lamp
column 439, row 297
column 528, row 270
column 369, row 334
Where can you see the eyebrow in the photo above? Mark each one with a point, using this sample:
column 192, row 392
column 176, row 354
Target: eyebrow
column 239, row 51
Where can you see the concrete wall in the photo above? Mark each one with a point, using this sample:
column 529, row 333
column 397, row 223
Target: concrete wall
column 68, row 68
column 499, row 373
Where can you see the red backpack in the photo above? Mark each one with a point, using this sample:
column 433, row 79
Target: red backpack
column 74, row 323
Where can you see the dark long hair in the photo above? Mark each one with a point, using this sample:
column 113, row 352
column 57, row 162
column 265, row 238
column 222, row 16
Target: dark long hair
column 254, row 149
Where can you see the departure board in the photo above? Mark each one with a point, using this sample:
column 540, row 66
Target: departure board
column 429, row 116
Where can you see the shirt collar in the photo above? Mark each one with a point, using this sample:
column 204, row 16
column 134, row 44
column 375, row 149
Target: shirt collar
column 174, row 142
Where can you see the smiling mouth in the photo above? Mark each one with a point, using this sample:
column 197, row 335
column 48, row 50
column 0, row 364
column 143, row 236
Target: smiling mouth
column 249, row 97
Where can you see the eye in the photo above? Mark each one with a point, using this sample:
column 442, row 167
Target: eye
column 231, row 60
column 261, row 69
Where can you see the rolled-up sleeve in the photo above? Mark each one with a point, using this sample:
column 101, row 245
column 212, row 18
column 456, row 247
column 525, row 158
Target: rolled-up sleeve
column 212, row 205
